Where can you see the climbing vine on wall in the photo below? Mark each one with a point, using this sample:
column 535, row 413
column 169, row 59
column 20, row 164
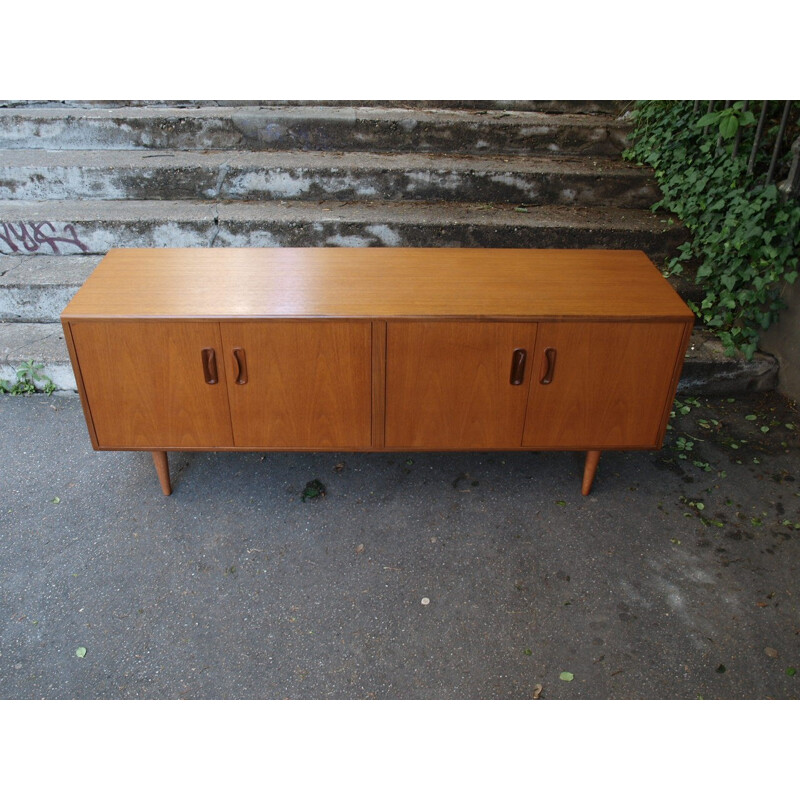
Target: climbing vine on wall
column 744, row 234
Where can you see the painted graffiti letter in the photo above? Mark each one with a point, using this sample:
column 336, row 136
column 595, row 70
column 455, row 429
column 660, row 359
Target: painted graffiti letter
column 40, row 233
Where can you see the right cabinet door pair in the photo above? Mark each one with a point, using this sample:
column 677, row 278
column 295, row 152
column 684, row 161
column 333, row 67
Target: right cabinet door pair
column 560, row 385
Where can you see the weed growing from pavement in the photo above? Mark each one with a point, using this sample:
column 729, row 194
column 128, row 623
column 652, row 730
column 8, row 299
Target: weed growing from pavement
column 29, row 380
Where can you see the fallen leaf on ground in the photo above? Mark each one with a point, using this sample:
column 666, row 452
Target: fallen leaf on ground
column 360, row 548
column 313, row 489
column 771, row 652
column 537, row 691
column 566, row 676
column 81, row 652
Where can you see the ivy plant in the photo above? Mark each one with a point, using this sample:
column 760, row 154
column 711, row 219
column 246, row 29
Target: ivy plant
column 744, row 236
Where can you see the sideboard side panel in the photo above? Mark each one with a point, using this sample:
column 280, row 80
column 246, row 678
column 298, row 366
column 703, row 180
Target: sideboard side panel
column 73, row 357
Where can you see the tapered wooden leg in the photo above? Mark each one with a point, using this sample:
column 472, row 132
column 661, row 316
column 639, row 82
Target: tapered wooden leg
column 162, row 468
column 589, row 469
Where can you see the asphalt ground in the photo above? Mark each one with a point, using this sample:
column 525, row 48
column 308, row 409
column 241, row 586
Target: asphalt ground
column 414, row 576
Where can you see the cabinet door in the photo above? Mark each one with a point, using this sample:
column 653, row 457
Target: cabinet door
column 145, row 383
column 608, row 384
column 300, row 384
column 449, row 384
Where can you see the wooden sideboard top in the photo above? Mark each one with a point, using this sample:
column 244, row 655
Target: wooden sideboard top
column 467, row 283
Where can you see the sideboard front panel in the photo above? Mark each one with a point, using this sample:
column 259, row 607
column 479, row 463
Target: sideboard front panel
column 306, row 384
column 145, row 383
column 449, row 384
column 601, row 385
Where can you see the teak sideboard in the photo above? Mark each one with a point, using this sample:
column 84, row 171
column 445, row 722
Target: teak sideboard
column 376, row 349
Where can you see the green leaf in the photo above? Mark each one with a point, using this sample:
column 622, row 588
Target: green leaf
column 749, row 350
column 791, row 671
column 566, row 676
column 81, row 652
column 728, row 126
column 765, row 429
column 751, row 417
column 314, row 489
column 707, row 119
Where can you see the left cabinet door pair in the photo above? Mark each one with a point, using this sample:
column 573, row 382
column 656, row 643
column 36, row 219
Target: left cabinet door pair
column 205, row 384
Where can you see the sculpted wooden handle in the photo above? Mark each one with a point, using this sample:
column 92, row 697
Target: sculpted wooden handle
column 518, row 366
column 210, row 365
column 550, row 355
column 241, row 365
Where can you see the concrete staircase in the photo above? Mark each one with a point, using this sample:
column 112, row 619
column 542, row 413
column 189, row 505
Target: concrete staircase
column 78, row 178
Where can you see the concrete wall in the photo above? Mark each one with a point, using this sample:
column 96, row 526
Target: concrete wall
column 783, row 341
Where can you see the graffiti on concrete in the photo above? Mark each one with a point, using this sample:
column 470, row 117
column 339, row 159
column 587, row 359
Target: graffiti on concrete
column 31, row 236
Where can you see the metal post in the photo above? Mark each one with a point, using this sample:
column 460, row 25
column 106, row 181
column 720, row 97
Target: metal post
column 738, row 139
column 778, row 142
column 711, row 104
column 791, row 186
column 759, row 130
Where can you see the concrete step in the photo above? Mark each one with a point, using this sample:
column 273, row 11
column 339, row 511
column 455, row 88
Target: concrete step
column 65, row 227
column 298, row 175
column 342, row 128
column 614, row 107
column 38, row 289
column 42, row 343
column 706, row 371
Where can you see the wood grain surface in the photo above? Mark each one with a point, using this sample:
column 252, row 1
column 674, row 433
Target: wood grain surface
column 448, row 384
column 610, row 387
column 376, row 348
column 376, row 283
column 144, row 384
column 309, row 384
